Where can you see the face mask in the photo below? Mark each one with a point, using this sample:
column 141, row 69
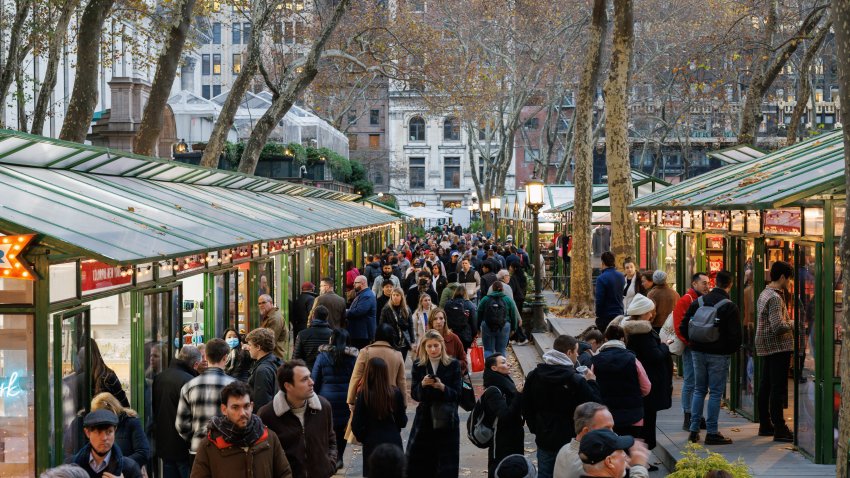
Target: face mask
column 233, row 343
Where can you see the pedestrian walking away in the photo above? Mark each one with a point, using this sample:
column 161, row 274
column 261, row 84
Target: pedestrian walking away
column 308, row 342
column 301, row 308
column 609, row 292
column 262, row 380
column 331, row 375
column 496, row 319
column 171, row 448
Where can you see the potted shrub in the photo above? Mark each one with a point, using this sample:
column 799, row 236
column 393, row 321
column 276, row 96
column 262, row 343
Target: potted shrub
column 696, row 461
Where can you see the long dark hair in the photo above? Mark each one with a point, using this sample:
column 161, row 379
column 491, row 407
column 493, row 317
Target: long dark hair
column 339, row 342
column 349, row 265
column 377, row 391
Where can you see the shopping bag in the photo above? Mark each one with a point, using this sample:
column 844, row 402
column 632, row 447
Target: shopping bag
column 476, row 356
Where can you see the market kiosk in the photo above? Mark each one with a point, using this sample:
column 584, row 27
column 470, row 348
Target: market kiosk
column 786, row 205
column 110, row 262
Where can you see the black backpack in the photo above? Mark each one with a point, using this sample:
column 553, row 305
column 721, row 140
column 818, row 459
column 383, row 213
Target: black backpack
column 481, row 429
column 456, row 314
column 703, row 327
column 496, row 313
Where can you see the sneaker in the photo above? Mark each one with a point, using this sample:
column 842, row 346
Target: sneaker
column 523, row 342
column 693, row 437
column 784, row 436
column 766, row 431
column 717, row 439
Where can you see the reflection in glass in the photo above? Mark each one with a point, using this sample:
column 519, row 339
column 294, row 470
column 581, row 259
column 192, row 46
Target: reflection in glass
column 748, row 320
column 806, row 349
column 17, row 444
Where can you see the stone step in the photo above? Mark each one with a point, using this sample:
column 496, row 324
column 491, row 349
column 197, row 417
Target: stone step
column 527, row 357
column 543, row 342
column 568, row 326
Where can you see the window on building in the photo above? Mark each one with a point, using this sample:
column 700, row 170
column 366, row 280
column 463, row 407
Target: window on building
column 532, row 123
column 374, row 117
column 417, row 129
column 451, row 129
column 451, row 173
column 237, row 63
column 288, row 33
column 352, row 116
column 374, row 141
column 352, row 142
column 378, row 178
column 481, row 169
column 216, row 6
column 205, row 91
column 532, row 155
column 216, row 90
column 417, row 173
column 216, row 64
column 246, row 33
column 300, row 32
column 216, row 33
column 237, row 33
column 205, row 64
column 277, row 32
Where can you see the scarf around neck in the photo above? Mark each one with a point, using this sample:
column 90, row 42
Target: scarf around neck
column 553, row 357
column 240, row 437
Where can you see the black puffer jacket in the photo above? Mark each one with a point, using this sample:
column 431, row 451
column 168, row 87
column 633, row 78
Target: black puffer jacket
column 656, row 361
column 310, row 339
column 263, row 379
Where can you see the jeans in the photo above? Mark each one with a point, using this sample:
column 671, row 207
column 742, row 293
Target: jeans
column 176, row 469
column 710, row 371
column 546, row 462
column 773, row 390
column 688, row 379
column 494, row 341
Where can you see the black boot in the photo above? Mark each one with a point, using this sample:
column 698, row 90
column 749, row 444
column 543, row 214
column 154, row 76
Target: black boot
column 687, row 424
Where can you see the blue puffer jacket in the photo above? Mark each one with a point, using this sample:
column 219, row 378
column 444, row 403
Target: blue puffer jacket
column 332, row 382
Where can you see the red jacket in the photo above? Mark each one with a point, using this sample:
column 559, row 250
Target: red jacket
column 681, row 308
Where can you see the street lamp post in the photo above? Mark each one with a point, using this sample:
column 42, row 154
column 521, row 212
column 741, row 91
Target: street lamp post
column 534, row 201
column 485, row 213
column 496, row 206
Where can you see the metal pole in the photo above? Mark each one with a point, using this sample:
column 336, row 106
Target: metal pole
column 538, row 320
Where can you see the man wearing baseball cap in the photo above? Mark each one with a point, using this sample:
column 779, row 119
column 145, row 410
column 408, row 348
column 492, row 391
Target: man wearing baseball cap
column 100, row 458
column 604, row 453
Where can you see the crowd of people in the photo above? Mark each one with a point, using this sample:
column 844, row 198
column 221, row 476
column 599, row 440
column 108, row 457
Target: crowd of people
column 285, row 400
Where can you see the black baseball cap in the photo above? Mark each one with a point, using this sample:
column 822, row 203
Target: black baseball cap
column 599, row 444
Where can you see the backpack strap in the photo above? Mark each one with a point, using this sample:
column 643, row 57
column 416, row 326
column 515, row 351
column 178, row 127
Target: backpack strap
column 721, row 303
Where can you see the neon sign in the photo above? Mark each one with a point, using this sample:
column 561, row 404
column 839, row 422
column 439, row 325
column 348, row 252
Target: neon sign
column 10, row 388
column 12, row 265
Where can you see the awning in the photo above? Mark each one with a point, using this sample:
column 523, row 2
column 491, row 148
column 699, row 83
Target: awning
column 131, row 218
column 736, row 154
column 425, row 213
column 777, row 179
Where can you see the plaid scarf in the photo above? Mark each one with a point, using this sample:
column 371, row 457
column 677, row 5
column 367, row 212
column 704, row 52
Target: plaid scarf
column 240, row 437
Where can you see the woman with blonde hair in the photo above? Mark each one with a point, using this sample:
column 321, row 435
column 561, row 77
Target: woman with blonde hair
column 454, row 347
column 397, row 314
column 433, row 448
column 420, row 320
column 130, row 435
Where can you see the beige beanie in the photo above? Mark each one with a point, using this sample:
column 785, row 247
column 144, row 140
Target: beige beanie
column 640, row 305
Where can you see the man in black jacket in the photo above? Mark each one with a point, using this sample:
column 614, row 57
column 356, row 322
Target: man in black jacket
column 488, row 277
column 711, row 359
column 264, row 370
column 301, row 309
column 551, row 394
column 101, row 457
column 310, row 339
column 170, row 447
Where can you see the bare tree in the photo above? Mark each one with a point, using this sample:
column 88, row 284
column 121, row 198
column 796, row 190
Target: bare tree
column 166, row 70
column 84, row 95
column 13, row 54
column 581, row 295
column 804, row 87
column 54, row 53
column 292, row 83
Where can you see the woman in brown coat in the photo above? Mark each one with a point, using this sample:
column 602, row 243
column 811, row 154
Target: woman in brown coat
column 454, row 347
column 382, row 347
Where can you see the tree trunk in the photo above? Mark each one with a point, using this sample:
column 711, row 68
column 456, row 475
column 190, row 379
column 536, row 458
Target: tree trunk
column 805, row 85
column 166, row 69
column 620, row 189
column 57, row 40
column 218, row 138
column 768, row 69
column 294, row 86
column 9, row 69
column 841, row 16
column 84, row 94
column 581, row 276
column 21, row 98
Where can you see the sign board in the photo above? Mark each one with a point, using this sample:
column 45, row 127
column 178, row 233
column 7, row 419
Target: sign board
column 96, row 275
column 782, row 221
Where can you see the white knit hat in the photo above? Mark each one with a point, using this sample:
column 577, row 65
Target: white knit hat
column 640, row 305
